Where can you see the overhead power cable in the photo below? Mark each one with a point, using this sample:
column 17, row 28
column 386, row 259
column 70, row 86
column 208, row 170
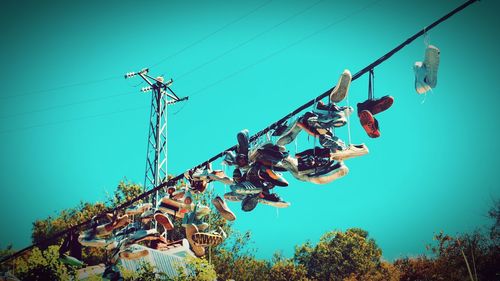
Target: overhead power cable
column 212, row 33
column 175, row 179
column 95, row 81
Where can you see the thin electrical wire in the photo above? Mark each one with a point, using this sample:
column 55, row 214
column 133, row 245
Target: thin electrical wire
column 96, row 81
column 300, row 40
column 262, row 5
column 175, row 179
column 61, row 87
column 225, row 53
column 65, row 105
column 70, row 120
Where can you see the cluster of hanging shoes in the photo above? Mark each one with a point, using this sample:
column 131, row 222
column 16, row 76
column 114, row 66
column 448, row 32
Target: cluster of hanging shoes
column 258, row 169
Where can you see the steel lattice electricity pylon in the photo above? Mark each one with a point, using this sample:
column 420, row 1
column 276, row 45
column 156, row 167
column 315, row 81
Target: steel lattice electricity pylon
column 156, row 160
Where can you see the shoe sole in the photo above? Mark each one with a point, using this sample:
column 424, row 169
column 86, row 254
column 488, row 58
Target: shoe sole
column 223, row 209
column 431, row 63
column 165, row 221
column 340, row 91
column 207, row 239
column 233, row 197
column 280, row 204
column 351, row 152
column 245, row 191
column 190, row 231
column 134, row 255
column 338, row 173
column 368, row 123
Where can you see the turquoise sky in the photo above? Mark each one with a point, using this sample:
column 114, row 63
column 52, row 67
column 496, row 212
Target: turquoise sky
column 245, row 64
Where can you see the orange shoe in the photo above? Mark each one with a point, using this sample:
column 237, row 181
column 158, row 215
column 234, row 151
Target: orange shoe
column 369, row 123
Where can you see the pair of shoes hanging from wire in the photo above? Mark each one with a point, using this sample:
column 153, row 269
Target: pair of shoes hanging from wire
column 371, row 107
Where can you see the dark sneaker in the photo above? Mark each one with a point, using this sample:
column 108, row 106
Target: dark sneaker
column 376, row 106
column 268, row 154
column 317, row 151
column 280, row 129
column 243, row 142
column 334, row 172
column 249, row 203
column 272, row 199
column 223, row 209
column 237, row 176
column 369, row 123
column 303, row 122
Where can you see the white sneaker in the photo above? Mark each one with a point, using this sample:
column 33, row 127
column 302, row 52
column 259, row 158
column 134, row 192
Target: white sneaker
column 340, row 91
column 431, row 63
column 420, row 72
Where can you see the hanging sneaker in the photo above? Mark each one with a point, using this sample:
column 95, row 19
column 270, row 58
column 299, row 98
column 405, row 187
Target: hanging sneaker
column 289, row 135
column 335, row 172
column 312, row 160
column 349, row 152
column 340, row 91
column 220, row 176
column 71, row 261
column 164, row 220
column 138, row 209
column 333, row 143
column 271, row 176
column 272, row 199
column 143, row 235
column 191, row 230
column 229, row 158
column 245, row 188
column 369, row 123
column 209, row 239
column 331, row 115
column 420, row 72
column 249, row 202
column 268, row 154
column 431, row 63
column 280, row 129
column 223, row 209
column 376, row 106
column 234, row 197
column 306, row 125
column 133, row 253
column 89, row 240
column 242, row 148
column 147, row 216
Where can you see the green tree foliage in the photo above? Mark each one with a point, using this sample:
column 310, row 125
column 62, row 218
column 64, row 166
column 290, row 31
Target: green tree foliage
column 42, row 265
column 340, row 255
